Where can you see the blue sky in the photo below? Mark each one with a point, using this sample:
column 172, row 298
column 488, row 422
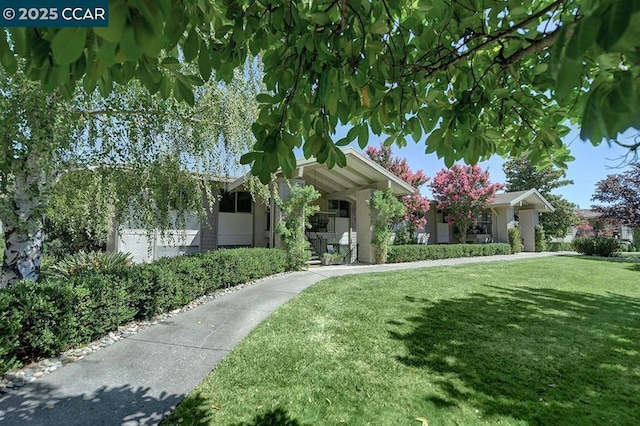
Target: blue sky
column 592, row 164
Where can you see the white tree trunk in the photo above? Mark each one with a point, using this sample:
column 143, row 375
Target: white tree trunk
column 23, row 253
column 23, row 225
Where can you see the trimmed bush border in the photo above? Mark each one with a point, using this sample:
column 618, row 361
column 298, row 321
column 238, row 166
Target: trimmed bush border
column 40, row 320
column 596, row 246
column 562, row 246
column 413, row 253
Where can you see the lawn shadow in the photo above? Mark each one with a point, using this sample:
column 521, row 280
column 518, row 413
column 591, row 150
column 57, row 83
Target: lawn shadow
column 275, row 417
column 41, row 404
column 540, row 355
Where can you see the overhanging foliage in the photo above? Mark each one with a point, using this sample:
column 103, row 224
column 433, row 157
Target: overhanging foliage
column 470, row 78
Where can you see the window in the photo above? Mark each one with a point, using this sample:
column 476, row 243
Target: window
column 227, row 202
column 483, row 224
column 339, row 207
column 235, row 202
column 243, row 204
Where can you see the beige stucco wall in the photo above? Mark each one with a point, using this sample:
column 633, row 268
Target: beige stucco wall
column 363, row 226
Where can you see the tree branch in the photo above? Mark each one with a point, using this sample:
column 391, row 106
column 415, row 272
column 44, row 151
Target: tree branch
column 432, row 69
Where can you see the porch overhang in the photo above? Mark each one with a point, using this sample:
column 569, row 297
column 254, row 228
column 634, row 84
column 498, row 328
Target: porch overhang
column 360, row 173
column 531, row 199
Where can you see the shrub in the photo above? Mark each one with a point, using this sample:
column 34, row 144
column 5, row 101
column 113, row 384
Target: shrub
column 295, row 221
column 596, row 246
column 385, row 209
column 413, row 252
column 515, row 240
column 38, row 320
column 404, row 236
column 540, row 241
column 562, row 246
column 44, row 319
column 81, row 262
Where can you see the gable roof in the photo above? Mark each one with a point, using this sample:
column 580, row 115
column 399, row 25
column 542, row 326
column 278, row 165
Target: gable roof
column 588, row 213
column 530, row 197
column 343, row 182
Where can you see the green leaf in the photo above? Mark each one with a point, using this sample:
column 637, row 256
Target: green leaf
column 332, row 102
column 191, row 46
column 250, row 157
column 615, row 16
column 19, row 39
column 6, row 56
column 148, row 28
column 117, row 20
column 434, row 141
column 341, row 159
column 264, row 98
column 363, row 136
column 414, row 126
column 286, row 158
column 569, row 77
column 593, row 125
column 379, row 27
column 584, row 36
column 622, row 97
column 204, row 64
column 68, row 44
column 353, row 133
column 129, row 46
column 540, row 69
column 170, row 63
column 183, row 91
column 343, row 142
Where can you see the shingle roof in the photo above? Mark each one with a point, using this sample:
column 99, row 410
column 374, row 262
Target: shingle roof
column 588, row 213
column 529, row 197
column 508, row 197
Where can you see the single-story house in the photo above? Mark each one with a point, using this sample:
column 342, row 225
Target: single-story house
column 509, row 209
column 619, row 231
column 343, row 223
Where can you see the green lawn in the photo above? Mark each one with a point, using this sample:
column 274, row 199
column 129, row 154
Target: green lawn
column 546, row 341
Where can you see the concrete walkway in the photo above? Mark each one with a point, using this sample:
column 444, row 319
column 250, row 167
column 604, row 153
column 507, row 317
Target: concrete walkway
column 141, row 378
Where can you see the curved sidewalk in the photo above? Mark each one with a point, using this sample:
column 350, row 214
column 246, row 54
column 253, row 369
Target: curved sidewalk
column 141, row 378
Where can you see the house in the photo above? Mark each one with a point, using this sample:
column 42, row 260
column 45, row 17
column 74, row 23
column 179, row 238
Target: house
column 239, row 221
column 509, row 209
column 599, row 225
column 343, row 223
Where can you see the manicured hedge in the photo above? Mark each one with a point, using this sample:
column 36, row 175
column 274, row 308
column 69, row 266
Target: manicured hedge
column 596, row 246
column 412, row 253
column 560, row 246
column 44, row 319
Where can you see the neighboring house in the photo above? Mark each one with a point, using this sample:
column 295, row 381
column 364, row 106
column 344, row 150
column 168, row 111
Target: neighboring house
column 509, row 209
column 344, row 221
column 622, row 232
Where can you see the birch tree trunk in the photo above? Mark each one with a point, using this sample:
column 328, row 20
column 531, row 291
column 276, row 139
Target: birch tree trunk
column 24, row 224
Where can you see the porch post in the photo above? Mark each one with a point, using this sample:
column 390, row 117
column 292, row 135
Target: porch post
column 528, row 221
column 363, row 226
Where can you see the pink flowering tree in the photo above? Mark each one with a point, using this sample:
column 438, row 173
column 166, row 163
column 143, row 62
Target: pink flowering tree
column 416, row 206
column 584, row 228
column 462, row 192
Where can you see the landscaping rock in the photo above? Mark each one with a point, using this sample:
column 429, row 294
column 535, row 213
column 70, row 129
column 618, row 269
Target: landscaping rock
column 30, row 373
